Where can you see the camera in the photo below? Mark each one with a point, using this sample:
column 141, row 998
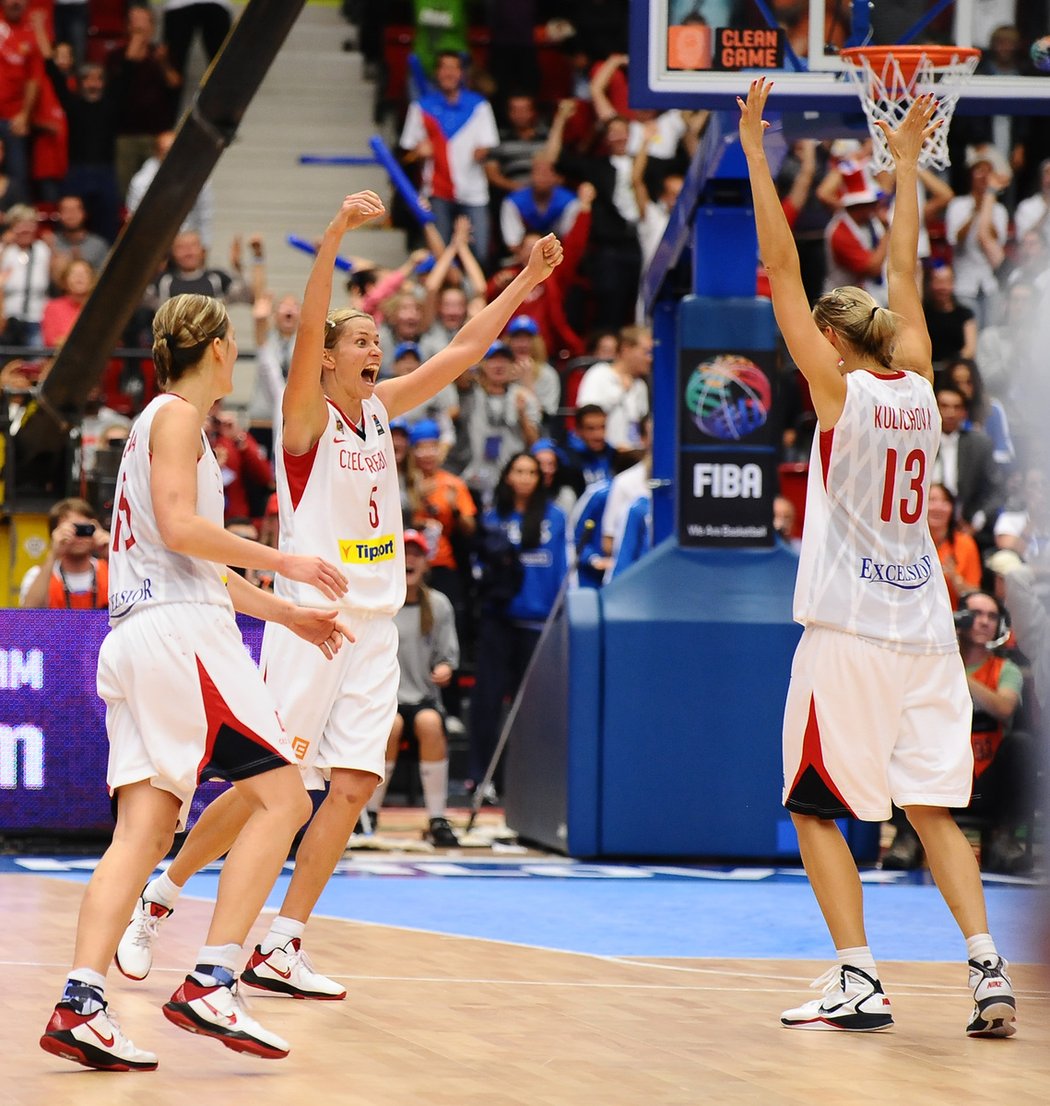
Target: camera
column 964, row 620
column 83, row 529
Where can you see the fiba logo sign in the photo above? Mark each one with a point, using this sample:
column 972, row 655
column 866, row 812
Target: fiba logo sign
column 728, row 397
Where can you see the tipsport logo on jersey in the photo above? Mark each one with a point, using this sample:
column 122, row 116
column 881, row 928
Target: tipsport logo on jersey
column 367, row 551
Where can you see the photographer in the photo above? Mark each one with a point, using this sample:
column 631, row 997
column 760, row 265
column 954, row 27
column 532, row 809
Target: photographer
column 1001, row 757
column 74, row 574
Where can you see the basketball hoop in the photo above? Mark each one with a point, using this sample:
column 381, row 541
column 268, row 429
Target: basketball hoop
column 888, row 78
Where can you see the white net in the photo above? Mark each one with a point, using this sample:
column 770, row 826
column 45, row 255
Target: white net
column 888, row 81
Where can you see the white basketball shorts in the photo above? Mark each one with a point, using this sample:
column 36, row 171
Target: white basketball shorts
column 865, row 725
column 185, row 702
column 338, row 712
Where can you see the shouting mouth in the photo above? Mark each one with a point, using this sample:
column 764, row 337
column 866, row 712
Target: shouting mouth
column 370, row 374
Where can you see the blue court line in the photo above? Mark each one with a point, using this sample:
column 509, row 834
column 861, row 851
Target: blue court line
column 633, row 911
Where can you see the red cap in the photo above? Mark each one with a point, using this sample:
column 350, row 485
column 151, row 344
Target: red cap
column 414, row 537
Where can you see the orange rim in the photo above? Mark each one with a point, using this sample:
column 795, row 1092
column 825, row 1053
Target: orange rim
column 908, row 57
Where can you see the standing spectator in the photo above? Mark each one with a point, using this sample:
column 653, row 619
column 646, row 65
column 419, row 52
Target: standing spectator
column 524, row 136
column 403, row 322
column 427, row 655
column 535, row 371
column 985, row 412
column 246, row 474
column 523, row 561
column 543, row 205
column 619, row 388
column 952, row 326
column 1031, row 262
column 71, row 25
column 189, row 273
column 11, row 192
column 856, row 245
column 452, row 130
column 957, row 551
column 498, row 419
column 965, row 465
column 1025, row 528
column 75, row 571
column 614, row 257
column 976, row 226
column 273, row 355
column 60, row 313
column 21, row 71
column 150, row 84
column 183, row 18
column 25, row 277
column 199, row 220
column 71, row 240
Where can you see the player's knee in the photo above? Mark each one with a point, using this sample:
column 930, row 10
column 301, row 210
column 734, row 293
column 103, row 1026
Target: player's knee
column 351, row 788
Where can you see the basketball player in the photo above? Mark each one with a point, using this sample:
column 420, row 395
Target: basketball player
column 338, row 492
column 183, row 699
column 878, row 708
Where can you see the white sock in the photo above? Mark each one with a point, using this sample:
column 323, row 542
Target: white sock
column 859, row 957
column 221, row 956
column 282, row 930
column 981, row 947
column 88, row 976
column 376, row 802
column 162, row 890
column 434, row 775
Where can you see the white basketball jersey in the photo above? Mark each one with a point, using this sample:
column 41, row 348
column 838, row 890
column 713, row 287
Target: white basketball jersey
column 868, row 565
column 342, row 501
column 143, row 571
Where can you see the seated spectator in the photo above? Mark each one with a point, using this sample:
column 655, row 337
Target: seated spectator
column 428, row 655
column 189, row 273
column 246, row 473
column 620, row 388
column 1032, row 213
column 522, row 555
column 635, row 538
column 1031, row 264
column 400, row 443
column 959, row 556
column 1009, row 355
column 60, row 312
column 70, row 239
column 25, row 276
column 74, row 573
column 498, row 418
column 540, row 207
column 952, row 326
column 784, row 518
column 11, row 191
column 586, row 445
column 403, row 322
column 1002, row 768
column 585, row 528
column 965, row 464
column 534, row 370
column 985, row 412
column 199, row 220
column 561, row 482
column 627, row 486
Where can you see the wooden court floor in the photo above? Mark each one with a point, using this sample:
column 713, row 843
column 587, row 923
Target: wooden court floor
column 435, row 1020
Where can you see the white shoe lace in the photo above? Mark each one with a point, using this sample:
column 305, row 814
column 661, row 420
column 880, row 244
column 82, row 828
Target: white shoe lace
column 146, row 930
column 829, row 981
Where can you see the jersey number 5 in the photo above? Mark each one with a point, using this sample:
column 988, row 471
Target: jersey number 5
column 911, row 474
column 373, row 508
column 123, row 538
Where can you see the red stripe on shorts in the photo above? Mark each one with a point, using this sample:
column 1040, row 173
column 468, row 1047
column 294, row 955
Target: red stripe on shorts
column 813, row 757
column 217, row 713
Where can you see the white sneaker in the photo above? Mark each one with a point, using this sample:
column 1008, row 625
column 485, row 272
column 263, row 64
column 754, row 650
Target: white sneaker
column 853, row 1001
column 219, row 1012
column 995, row 1008
column 287, row 971
column 134, row 956
column 94, row 1040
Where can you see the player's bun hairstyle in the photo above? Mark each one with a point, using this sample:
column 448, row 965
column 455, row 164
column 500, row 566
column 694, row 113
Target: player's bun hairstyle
column 182, row 328
column 333, row 325
column 857, row 318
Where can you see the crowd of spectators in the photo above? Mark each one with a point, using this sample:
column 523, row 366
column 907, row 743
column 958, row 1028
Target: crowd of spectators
column 535, row 463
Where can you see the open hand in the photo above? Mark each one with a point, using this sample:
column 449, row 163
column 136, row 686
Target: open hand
column 752, row 126
column 316, row 571
column 320, row 628
column 907, row 140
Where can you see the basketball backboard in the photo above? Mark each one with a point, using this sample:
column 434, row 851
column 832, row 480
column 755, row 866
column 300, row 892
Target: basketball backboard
column 700, row 53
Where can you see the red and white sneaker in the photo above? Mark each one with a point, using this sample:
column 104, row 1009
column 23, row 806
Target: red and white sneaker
column 94, row 1040
column 853, row 1001
column 287, row 971
column 134, row 956
column 219, row 1012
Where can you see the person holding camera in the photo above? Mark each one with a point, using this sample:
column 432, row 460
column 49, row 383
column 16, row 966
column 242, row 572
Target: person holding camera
column 74, row 574
column 999, row 757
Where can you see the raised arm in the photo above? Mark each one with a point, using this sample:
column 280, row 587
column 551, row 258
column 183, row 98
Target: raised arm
column 402, row 393
column 812, row 352
column 913, row 350
column 303, row 407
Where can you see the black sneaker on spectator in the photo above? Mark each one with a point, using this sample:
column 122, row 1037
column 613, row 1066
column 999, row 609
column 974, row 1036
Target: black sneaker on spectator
column 367, row 823
column 905, row 854
column 441, row 834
